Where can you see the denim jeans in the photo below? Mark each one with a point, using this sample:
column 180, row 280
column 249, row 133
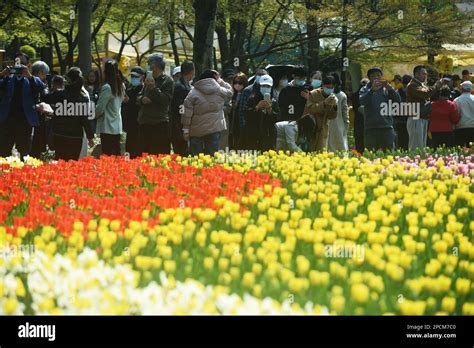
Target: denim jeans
column 207, row 144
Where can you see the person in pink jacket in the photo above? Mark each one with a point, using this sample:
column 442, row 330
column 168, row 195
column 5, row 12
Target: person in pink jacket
column 203, row 119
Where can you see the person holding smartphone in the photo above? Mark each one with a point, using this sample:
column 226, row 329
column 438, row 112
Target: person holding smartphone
column 18, row 114
column 379, row 133
column 260, row 118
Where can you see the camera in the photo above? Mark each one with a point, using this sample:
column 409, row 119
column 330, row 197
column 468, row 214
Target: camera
column 16, row 70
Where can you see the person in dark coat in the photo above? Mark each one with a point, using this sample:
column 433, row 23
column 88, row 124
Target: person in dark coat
column 260, row 118
column 130, row 110
column 70, row 122
column 359, row 118
column 291, row 101
column 182, row 87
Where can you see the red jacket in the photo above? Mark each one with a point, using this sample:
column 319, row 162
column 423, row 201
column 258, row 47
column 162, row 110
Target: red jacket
column 444, row 115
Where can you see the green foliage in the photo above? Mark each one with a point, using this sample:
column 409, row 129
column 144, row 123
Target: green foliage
column 30, row 51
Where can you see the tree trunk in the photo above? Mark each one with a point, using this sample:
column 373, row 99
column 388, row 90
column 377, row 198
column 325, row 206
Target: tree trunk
column 312, row 31
column 221, row 30
column 47, row 52
column 84, row 35
column 173, row 44
column 238, row 30
column 205, row 14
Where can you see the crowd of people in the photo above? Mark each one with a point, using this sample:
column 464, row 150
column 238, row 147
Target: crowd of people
column 185, row 114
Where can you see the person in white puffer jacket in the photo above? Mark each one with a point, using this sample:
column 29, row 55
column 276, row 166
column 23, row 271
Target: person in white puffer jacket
column 203, row 119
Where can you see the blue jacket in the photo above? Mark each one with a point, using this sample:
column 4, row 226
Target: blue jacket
column 7, row 84
column 372, row 102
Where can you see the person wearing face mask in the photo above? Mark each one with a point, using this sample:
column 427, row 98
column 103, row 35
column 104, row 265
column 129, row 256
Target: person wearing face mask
column 379, row 132
column 339, row 126
column 239, row 82
column 155, row 101
column 182, row 87
column 292, row 98
column 247, row 92
column 260, row 118
column 130, row 110
column 279, row 84
column 316, row 79
column 322, row 106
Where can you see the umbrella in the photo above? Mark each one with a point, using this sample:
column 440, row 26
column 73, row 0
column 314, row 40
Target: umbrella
column 277, row 71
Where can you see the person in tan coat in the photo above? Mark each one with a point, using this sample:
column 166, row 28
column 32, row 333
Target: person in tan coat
column 321, row 104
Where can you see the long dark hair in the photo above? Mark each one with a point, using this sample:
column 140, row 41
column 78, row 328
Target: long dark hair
column 97, row 79
column 75, row 81
column 337, row 81
column 112, row 77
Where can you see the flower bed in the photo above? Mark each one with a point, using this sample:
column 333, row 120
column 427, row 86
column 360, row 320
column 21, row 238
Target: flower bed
column 270, row 234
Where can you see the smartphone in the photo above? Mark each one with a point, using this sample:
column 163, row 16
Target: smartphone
column 267, row 98
column 16, row 70
column 149, row 76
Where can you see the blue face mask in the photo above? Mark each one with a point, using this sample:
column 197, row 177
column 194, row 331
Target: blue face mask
column 299, row 83
column 257, row 78
column 328, row 90
column 316, row 83
column 265, row 90
column 136, row 81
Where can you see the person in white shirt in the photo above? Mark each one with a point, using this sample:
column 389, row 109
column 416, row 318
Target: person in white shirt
column 464, row 130
column 295, row 136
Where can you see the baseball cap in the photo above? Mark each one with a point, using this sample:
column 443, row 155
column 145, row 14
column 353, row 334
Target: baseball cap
column 467, row 85
column 266, row 80
column 176, row 70
column 137, row 71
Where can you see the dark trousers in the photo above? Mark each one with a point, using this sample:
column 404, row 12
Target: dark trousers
column 39, row 139
column 402, row 135
column 379, row 139
column 359, row 132
column 132, row 144
column 67, row 148
column 180, row 146
column 110, row 144
column 155, row 139
column 464, row 136
column 16, row 132
column 439, row 139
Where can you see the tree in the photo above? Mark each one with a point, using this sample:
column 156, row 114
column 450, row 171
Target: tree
column 84, row 35
column 203, row 52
